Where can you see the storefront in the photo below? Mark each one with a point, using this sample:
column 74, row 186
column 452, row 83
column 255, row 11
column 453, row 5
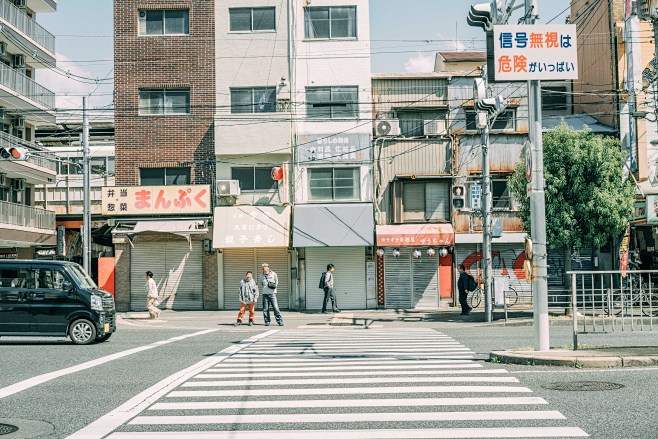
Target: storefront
column 248, row 237
column 415, row 265
column 339, row 234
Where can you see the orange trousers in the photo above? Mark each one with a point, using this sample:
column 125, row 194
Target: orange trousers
column 243, row 308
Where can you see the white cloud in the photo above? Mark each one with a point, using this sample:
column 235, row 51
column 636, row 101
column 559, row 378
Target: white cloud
column 420, row 63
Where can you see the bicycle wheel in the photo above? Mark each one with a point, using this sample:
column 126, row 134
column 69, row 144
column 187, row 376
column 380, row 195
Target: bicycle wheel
column 650, row 305
column 512, row 297
column 475, row 299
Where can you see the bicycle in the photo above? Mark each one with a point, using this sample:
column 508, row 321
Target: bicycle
column 475, row 297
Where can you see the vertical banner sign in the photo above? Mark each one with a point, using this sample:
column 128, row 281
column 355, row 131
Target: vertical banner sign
column 623, row 251
column 539, row 52
column 61, row 241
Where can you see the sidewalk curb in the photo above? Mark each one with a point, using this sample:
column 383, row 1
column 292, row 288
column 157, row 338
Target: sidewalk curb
column 577, row 361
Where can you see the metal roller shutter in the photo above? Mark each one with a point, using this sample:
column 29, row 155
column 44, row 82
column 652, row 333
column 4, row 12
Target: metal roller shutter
column 425, row 281
column 279, row 261
column 350, row 277
column 397, row 278
column 177, row 270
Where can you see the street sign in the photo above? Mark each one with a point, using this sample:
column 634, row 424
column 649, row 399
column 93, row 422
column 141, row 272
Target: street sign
column 539, row 52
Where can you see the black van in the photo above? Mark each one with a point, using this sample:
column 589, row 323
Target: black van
column 53, row 298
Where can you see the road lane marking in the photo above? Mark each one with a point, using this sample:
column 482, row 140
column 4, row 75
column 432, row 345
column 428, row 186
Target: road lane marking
column 443, row 433
column 347, row 391
column 257, row 362
column 350, row 367
column 321, row 403
column 329, row 381
column 131, row 408
column 40, row 379
column 401, row 372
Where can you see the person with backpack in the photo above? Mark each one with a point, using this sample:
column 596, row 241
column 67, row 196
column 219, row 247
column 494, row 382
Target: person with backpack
column 327, row 284
column 465, row 284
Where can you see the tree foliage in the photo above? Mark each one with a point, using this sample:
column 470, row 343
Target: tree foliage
column 588, row 201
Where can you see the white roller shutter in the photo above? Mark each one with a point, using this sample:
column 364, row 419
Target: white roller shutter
column 397, row 278
column 240, row 260
column 349, row 278
column 425, row 281
column 177, row 271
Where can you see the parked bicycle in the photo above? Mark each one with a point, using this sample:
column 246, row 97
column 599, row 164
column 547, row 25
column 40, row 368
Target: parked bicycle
column 475, row 297
column 635, row 296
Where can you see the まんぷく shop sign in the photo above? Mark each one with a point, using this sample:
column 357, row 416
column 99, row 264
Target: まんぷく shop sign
column 155, row 200
column 539, row 52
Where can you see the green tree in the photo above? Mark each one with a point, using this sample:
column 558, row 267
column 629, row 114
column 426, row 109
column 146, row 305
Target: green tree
column 588, row 201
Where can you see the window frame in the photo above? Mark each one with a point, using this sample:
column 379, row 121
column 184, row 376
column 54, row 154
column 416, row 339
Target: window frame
column 507, row 201
column 331, row 105
column 397, row 201
column 164, row 177
column 307, row 10
column 549, row 91
column 140, row 108
column 253, row 99
column 251, row 14
column 164, row 26
column 273, row 189
column 471, row 112
column 356, row 170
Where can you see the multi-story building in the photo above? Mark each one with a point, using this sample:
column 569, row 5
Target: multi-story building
column 25, row 47
column 294, row 127
column 165, row 163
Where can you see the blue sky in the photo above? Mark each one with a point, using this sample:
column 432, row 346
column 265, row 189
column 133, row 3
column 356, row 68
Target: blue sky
column 404, row 33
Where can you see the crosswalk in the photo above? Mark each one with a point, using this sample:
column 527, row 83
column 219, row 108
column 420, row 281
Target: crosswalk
column 348, row 384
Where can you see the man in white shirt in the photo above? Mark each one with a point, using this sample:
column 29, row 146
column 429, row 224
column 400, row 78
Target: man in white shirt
column 151, row 296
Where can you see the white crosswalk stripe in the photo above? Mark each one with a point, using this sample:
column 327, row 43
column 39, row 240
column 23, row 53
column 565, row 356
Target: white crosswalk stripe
column 348, row 384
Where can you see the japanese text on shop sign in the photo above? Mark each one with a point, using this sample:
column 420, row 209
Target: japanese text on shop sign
column 346, row 147
column 156, row 200
column 251, row 226
column 541, row 52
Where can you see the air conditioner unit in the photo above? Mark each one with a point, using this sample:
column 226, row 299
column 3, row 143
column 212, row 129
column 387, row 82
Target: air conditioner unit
column 3, row 180
column 3, row 48
column 18, row 185
column 387, row 127
column 19, row 122
column 21, row 3
column 228, row 188
column 18, row 60
column 436, row 127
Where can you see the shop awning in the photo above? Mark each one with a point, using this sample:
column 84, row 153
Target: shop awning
column 476, row 238
column 333, row 225
column 251, row 226
column 415, row 235
column 178, row 227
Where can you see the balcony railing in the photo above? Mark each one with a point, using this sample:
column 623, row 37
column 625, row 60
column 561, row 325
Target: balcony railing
column 26, row 216
column 25, row 86
column 27, row 25
column 7, row 140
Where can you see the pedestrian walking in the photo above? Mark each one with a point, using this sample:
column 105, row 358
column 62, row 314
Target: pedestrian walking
column 269, row 282
column 463, row 285
column 327, row 284
column 152, row 296
column 248, row 298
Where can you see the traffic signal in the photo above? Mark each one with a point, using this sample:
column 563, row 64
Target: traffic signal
column 458, row 201
column 14, row 153
column 491, row 106
column 485, row 15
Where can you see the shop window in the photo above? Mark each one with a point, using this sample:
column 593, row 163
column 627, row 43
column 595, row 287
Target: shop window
column 251, row 19
column 421, row 201
column 334, row 184
column 164, row 176
column 164, row 22
column 504, row 121
column 329, row 23
column 501, row 196
column 332, row 102
column 254, row 179
column 164, row 102
column 253, row 100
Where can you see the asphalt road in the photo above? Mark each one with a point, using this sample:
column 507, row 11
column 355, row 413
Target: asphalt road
column 141, row 356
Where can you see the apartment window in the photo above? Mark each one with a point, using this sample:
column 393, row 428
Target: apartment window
column 164, row 22
column 164, row 176
column 412, row 123
column 162, row 102
column 253, row 100
column 254, row 179
column 500, row 194
column 417, row 201
column 332, row 102
column 505, row 120
column 328, row 23
column 334, row 184
column 251, row 19
column 554, row 98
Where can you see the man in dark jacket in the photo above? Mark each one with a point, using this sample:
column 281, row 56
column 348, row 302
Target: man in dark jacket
column 462, row 286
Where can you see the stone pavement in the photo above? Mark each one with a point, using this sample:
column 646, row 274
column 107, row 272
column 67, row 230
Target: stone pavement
column 603, row 357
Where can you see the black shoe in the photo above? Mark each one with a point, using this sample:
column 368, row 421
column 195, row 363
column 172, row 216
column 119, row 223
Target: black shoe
column 238, row 323
column 267, row 324
column 251, row 323
column 280, row 323
column 324, row 312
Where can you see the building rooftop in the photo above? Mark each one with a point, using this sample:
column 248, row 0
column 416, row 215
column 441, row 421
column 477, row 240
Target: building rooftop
column 474, row 55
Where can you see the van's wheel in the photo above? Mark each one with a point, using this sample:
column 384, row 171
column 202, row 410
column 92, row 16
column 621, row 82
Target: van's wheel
column 82, row 331
column 102, row 338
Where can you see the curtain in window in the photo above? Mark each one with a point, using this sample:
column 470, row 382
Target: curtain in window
column 437, row 201
column 316, row 22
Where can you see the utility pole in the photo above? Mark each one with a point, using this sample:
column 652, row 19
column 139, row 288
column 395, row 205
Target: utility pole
column 487, row 201
column 632, row 30
column 86, row 220
column 538, row 207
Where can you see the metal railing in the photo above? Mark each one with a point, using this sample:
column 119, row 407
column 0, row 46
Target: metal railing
column 25, row 86
column 26, row 216
column 610, row 301
column 37, row 156
column 19, row 19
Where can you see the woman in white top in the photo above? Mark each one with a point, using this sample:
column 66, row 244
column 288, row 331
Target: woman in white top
column 151, row 296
